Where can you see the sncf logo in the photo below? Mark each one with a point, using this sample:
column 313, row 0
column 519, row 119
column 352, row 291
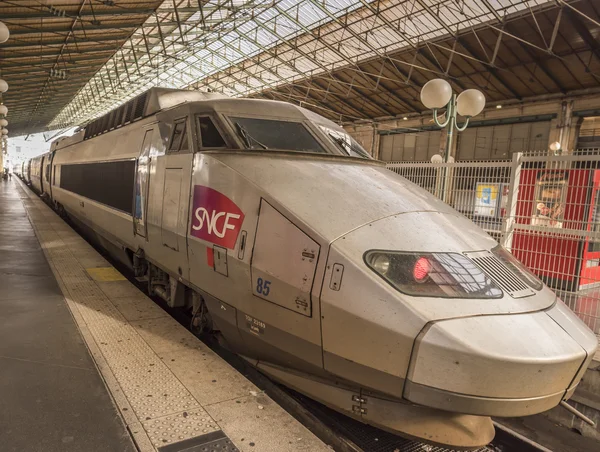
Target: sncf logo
column 216, row 218
column 211, row 221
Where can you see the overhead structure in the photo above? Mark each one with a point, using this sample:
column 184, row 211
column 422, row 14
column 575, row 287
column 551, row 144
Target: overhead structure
column 4, row 34
column 54, row 48
column 345, row 59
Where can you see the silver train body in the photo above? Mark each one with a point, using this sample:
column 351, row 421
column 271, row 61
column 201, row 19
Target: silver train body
column 323, row 269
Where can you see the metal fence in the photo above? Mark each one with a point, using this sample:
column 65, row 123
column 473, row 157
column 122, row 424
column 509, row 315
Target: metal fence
column 544, row 209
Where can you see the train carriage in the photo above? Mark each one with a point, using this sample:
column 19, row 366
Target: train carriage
column 320, row 267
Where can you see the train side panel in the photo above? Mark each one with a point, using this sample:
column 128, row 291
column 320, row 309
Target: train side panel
column 274, row 309
column 100, row 192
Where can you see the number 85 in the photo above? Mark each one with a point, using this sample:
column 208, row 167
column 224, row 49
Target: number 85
column 263, row 287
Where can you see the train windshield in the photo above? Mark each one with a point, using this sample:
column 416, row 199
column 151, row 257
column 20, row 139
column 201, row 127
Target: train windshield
column 272, row 134
column 345, row 143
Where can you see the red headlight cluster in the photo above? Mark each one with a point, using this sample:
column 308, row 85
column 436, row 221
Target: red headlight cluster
column 446, row 275
column 421, row 269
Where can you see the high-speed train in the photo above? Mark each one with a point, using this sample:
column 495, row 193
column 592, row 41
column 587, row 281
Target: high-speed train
column 320, row 267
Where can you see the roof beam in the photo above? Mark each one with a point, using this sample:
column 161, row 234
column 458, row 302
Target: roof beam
column 306, row 98
column 16, row 55
column 121, row 25
column 334, row 97
column 41, row 13
column 582, row 30
column 544, row 68
column 492, row 70
column 435, row 64
column 367, row 98
column 71, row 63
column 405, row 103
column 59, row 41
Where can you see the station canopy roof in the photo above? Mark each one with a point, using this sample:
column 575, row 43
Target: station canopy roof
column 69, row 61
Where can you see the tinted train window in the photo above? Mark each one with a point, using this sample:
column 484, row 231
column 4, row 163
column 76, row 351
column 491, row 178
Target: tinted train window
column 109, row 183
column 345, row 143
column 272, row 134
column 208, row 133
column 179, row 140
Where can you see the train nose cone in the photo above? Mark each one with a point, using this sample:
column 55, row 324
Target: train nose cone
column 499, row 365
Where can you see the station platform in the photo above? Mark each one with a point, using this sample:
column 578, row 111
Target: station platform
column 151, row 385
column 53, row 398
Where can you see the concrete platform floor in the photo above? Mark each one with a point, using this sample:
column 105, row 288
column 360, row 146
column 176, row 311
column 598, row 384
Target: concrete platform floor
column 52, row 395
column 173, row 392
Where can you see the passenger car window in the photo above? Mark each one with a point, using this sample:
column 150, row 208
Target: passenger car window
column 208, row 134
column 273, row 134
column 179, row 138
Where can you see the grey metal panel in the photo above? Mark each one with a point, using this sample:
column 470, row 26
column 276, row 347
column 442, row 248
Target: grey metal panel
column 483, row 143
column 519, row 138
column 274, row 343
column 366, row 376
column 337, row 396
column 170, row 208
column 410, row 142
column 501, row 142
column 578, row 330
column 480, row 406
column 540, row 133
column 435, row 138
column 477, row 356
column 466, row 144
column 422, row 146
column 446, row 427
column 408, row 147
column 220, row 260
column 385, row 148
column 398, row 147
column 284, row 261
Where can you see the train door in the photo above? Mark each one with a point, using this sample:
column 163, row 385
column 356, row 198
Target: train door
column 141, row 185
column 41, row 171
column 47, row 187
column 171, row 187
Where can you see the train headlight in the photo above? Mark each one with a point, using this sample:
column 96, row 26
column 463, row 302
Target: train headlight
column 446, row 275
column 381, row 264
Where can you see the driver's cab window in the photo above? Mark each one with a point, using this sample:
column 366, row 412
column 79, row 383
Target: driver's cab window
column 179, row 141
column 208, row 134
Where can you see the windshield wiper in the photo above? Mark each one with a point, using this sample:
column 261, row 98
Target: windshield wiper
column 347, row 147
column 340, row 142
column 248, row 139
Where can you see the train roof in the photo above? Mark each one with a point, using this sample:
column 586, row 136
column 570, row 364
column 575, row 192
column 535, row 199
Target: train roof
column 156, row 100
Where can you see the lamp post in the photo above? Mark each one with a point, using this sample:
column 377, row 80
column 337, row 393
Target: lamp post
column 437, row 94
